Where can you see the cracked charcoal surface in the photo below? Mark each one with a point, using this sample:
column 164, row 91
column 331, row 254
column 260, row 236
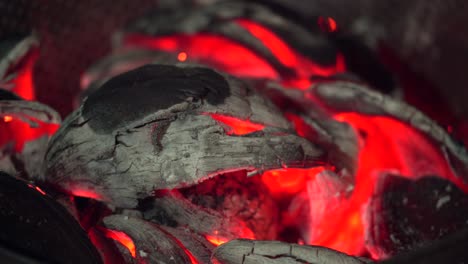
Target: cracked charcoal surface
column 125, row 160
column 137, row 93
column 258, row 252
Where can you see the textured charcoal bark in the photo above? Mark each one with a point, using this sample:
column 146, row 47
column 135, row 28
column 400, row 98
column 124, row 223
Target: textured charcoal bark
column 257, row 252
column 12, row 51
column 405, row 214
column 35, row 226
column 28, row 162
column 122, row 156
column 174, row 211
column 152, row 244
column 352, row 97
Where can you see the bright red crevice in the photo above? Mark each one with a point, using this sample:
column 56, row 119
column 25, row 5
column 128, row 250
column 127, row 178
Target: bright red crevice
column 303, row 67
column 122, row 238
column 84, row 193
column 37, row 189
column 23, row 84
column 236, row 126
column 17, row 132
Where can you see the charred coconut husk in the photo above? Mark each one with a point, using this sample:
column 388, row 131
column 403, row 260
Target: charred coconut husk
column 164, row 127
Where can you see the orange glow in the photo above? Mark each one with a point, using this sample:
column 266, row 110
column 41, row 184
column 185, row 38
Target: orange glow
column 216, row 240
column 327, row 24
column 182, row 56
column 121, row 238
column 15, row 130
column 289, row 181
column 23, row 82
column 237, row 126
column 7, row 118
column 37, row 189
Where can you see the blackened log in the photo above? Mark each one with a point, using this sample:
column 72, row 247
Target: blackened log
column 34, row 225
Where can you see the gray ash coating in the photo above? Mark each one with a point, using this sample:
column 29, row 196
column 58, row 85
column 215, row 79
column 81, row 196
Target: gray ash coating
column 145, row 90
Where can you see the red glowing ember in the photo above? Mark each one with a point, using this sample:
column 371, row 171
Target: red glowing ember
column 37, row 189
column 236, row 126
column 17, row 130
column 123, row 239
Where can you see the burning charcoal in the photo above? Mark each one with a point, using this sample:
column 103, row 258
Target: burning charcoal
column 143, row 242
column 317, row 208
column 405, row 214
column 267, row 44
column 34, row 226
column 162, row 127
column 236, row 196
column 18, row 55
column 173, row 210
column 313, row 123
column 198, row 246
column 25, row 129
column 253, row 252
column 422, row 141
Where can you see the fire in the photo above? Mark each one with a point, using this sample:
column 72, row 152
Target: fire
column 216, row 240
column 123, row 239
column 237, row 126
column 288, row 181
column 214, row 50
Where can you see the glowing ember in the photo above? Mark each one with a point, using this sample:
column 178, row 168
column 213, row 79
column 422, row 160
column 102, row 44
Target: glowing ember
column 237, row 126
column 7, row 118
column 37, row 189
column 289, row 181
column 123, row 239
column 23, row 81
column 216, row 240
column 277, row 46
column 182, row 56
column 86, row 194
column 15, row 130
column 327, row 24
column 214, row 50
